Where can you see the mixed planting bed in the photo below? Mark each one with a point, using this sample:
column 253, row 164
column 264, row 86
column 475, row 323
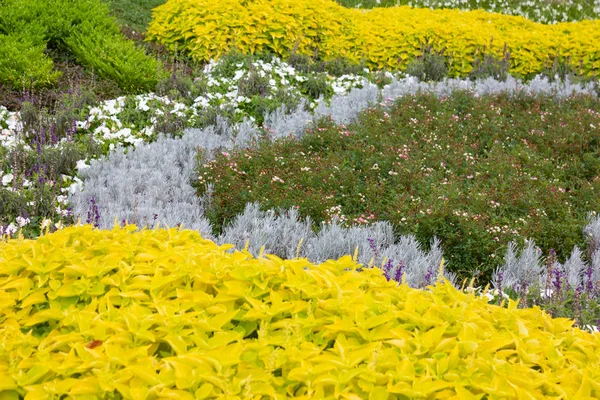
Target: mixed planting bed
column 170, row 223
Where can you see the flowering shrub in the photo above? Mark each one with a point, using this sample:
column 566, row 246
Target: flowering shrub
column 128, row 314
column 384, row 38
column 477, row 172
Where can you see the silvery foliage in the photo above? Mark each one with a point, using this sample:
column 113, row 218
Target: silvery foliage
column 520, row 269
column 279, row 232
column 573, row 268
column 344, row 109
column 283, row 123
column 596, row 266
column 153, row 178
column 285, row 235
column 528, row 269
column 156, row 179
column 592, row 232
column 481, row 87
column 418, row 262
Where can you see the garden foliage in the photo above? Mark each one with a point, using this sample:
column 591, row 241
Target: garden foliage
column 383, row 38
column 477, row 172
column 83, row 29
column 156, row 179
column 131, row 314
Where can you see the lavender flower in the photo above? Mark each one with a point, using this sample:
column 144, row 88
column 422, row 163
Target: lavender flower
column 589, row 282
column 399, row 271
column 373, row 247
column 429, row 277
column 557, row 279
column 387, row 268
column 499, row 279
column 93, row 215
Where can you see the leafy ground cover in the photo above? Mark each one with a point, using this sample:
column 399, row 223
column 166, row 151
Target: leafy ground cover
column 383, row 38
column 128, row 313
column 53, row 137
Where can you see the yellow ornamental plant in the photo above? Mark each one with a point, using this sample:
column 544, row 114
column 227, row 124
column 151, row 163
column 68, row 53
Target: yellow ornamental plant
column 163, row 313
column 383, row 37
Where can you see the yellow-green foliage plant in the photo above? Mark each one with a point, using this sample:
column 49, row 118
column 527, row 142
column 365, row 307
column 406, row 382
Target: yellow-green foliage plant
column 165, row 314
column 384, row 38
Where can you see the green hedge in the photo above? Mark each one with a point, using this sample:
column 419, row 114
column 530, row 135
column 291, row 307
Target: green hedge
column 82, row 28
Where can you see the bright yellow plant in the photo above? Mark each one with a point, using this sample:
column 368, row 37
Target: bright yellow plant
column 383, row 37
column 163, row 313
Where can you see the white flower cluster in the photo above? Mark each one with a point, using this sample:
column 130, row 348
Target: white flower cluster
column 10, row 125
column 547, row 12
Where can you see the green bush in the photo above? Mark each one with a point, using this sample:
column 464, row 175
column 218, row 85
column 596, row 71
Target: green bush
column 23, row 63
column 82, row 28
column 431, row 66
column 116, row 58
column 475, row 172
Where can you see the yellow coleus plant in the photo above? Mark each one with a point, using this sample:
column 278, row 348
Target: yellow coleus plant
column 164, row 313
column 383, row 37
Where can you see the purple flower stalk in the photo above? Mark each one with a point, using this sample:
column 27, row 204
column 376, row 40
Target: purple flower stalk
column 557, row 279
column 399, row 271
column 428, row 277
column 373, row 247
column 387, row 268
column 499, row 284
column 93, row 215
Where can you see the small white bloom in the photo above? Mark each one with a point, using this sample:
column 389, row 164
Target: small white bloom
column 81, row 165
column 10, row 229
column 22, row 221
column 238, row 75
column 6, row 179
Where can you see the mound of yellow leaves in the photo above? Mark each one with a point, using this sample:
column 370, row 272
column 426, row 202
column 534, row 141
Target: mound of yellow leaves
column 156, row 314
column 383, row 37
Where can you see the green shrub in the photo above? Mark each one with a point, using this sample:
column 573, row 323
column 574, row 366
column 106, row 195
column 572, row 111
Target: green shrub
column 23, row 63
column 475, row 172
column 80, row 27
column 116, row 58
column 431, row 66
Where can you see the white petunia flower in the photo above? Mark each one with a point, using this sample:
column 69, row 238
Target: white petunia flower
column 6, row 179
column 22, row 221
column 81, row 165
